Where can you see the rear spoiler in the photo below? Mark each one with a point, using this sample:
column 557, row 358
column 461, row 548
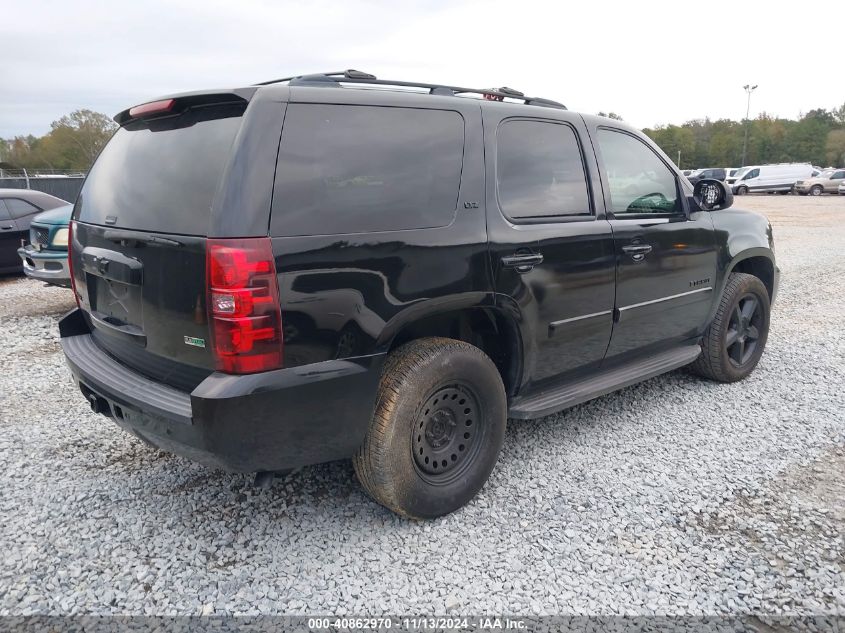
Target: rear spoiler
column 179, row 103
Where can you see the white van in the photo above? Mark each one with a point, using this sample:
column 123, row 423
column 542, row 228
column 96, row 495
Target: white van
column 780, row 177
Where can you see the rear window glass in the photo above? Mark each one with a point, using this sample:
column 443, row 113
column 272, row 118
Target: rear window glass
column 162, row 175
column 20, row 208
column 540, row 171
column 351, row 169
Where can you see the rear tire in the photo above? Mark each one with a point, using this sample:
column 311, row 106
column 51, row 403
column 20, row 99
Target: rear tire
column 734, row 341
column 437, row 430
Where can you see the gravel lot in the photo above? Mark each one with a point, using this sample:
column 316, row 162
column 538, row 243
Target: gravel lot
column 674, row 496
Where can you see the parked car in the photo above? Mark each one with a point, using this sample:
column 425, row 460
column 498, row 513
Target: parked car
column 389, row 275
column 717, row 173
column 17, row 209
column 841, row 188
column 45, row 257
column 769, row 178
column 730, row 174
column 827, row 181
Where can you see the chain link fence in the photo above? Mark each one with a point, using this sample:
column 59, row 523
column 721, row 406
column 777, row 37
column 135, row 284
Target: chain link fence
column 60, row 183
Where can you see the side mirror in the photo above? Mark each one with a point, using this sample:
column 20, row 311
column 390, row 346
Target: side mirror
column 711, row 195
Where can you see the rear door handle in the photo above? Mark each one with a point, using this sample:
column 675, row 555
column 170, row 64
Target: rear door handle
column 637, row 251
column 523, row 262
column 7, row 227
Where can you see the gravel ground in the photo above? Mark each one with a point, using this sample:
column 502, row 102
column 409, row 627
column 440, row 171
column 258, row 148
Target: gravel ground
column 673, row 496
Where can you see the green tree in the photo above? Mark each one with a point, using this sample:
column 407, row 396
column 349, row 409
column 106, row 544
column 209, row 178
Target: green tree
column 72, row 143
column 76, row 139
column 835, row 148
column 814, row 138
column 805, row 141
column 673, row 139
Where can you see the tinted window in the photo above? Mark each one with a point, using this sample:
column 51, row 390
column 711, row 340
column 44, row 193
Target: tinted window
column 352, row 169
column 162, row 175
column 751, row 174
column 639, row 181
column 4, row 214
column 838, row 175
column 19, row 208
column 539, row 170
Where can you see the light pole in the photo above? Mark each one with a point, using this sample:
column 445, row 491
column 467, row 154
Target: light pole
column 748, row 89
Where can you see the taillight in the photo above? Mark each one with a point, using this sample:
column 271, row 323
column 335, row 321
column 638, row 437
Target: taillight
column 70, row 260
column 243, row 305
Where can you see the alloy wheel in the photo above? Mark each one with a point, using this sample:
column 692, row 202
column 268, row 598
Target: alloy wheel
column 744, row 330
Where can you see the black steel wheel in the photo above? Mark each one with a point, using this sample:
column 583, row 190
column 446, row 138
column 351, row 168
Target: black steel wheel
column 734, row 341
column 741, row 190
column 448, row 433
column 437, row 429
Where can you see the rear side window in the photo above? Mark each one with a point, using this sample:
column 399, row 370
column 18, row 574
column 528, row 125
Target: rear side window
column 20, row 208
column 161, row 175
column 353, row 169
column 540, row 171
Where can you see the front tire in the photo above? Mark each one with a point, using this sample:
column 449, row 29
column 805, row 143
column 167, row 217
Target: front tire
column 734, row 341
column 741, row 190
column 817, row 190
column 437, row 429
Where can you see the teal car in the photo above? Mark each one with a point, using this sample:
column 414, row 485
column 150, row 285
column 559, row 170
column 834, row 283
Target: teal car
column 45, row 257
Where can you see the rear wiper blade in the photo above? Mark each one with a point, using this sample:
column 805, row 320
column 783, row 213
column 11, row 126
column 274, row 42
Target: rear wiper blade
column 126, row 236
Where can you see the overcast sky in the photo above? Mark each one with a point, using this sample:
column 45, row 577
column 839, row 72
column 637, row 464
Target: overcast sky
column 651, row 62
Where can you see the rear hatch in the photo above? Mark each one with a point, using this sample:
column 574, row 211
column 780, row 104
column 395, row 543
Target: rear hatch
column 139, row 236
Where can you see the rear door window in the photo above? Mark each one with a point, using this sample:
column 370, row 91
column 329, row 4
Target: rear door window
column 353, row 169
column 161, row 175
column 20, row 208
column 540, row 170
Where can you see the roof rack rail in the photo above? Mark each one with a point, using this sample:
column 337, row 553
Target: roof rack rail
column 359, row 77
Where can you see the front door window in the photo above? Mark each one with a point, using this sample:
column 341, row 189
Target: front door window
column 640, row 183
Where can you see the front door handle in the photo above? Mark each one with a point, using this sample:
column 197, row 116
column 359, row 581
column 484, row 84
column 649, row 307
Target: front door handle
column 637, row 251
column 7, row 227
column 523, row 262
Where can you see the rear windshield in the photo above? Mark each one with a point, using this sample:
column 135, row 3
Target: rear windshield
column 162, row 175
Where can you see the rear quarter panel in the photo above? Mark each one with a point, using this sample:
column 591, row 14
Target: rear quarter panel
column 348, row 295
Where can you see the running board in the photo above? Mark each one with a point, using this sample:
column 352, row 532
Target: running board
column 561, row 397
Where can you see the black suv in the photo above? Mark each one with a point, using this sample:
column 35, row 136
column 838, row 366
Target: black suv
column 334, row 266
column 716, row 173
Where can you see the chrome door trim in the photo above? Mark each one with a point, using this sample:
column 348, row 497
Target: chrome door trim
column 555, row 324
column 669, row 298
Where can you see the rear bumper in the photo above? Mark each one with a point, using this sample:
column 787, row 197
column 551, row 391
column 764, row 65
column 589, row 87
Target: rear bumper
column 49, row 266
column 261, row 422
